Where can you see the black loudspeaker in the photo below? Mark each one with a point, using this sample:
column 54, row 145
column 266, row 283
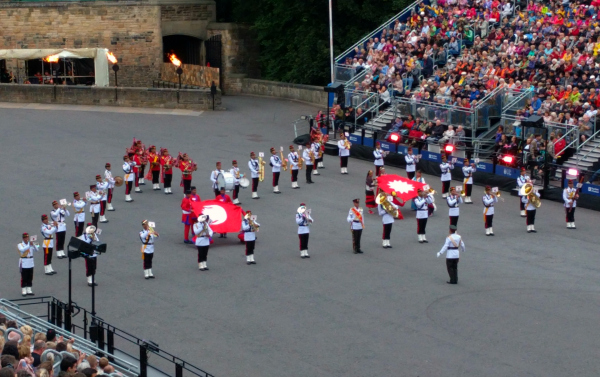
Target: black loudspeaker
column 334, row 88
column 534, row 121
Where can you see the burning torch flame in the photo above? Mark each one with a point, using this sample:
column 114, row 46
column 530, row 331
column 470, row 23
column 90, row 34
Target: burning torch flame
column 51, row 59
column 174, row 60
column 111, row 57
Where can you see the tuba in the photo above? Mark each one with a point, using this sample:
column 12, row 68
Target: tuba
column 528, row 191
column 261, row 169
column 385, row 203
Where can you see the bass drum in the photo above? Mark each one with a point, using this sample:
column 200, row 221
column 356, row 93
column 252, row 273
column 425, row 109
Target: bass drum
column 244, row 182
column 225, row 180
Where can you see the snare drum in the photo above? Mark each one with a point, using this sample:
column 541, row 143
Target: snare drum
column 244, row 182
column 225, row 180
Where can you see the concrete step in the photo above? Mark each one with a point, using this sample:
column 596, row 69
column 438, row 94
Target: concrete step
column 574, row 164
column 581, row 158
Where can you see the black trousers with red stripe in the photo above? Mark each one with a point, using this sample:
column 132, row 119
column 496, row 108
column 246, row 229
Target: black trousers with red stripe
column 488, row 221
column 343, row 161
column 250, row 247
column 377, row 169
column 387, row 231
column 445, row 187
column 128, row 187
column 202, row 253
column 236, row 191
column 531, row 216
column 453, row 220
column 254, row 184
column 95, row 217
column 521, row 204
column 570, row 214
column 295, row 175
column 60, row 240
column 102, row 209
column 276, row 178
column 109, row 196
column 78, row 228
column 48, row 256
column 26, row 277
column 137, row 179
column 148, row 260
column 469, row 189
column 421, row 225
column 90, row 266
column 303, row 241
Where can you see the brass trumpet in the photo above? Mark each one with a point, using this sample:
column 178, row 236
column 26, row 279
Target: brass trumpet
column 283, row 161
column 261, row 169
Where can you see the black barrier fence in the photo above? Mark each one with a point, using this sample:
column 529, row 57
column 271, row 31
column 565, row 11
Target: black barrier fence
column 152, row 360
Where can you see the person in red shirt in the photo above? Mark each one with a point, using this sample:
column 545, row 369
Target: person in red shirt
column 186, row 217
column 187, row 167
column 224, row 198
column 154, row 172
column 137, row 158
column 167, row 161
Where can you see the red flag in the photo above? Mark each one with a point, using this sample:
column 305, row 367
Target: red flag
column 404, row 188
column 225, row 217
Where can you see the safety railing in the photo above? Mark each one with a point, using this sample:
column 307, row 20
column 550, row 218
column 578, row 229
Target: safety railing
column 126, row 351
column 593, row 150
column 431, row 111
column 516, row 99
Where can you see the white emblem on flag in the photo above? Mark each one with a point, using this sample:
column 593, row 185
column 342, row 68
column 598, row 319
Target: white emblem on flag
column 401, row 187
column 217, row 214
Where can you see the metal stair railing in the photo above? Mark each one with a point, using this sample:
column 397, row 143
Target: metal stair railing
column 580, row 158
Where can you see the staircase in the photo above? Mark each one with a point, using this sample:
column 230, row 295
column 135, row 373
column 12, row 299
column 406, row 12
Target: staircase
column 377, row 124
column 586, row 158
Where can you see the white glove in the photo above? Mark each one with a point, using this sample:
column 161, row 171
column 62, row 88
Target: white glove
column 438, row 254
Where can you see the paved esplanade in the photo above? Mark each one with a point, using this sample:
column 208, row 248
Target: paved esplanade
column 526, row 304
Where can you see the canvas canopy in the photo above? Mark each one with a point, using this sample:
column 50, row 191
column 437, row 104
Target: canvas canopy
column 98, row 54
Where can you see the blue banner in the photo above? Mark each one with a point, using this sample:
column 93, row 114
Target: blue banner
column 586, row 188
column 430, row 156
column 507, row 172
column 368, row 142
column 402, row 149
column 388, row 147
column 356, row 139
column 485, row 167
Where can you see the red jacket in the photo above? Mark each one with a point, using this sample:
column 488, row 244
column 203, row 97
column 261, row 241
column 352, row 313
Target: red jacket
column 186, row 204
column 223, row 198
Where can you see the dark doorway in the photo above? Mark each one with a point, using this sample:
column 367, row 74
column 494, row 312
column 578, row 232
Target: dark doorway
column 214, row 55
column 187, row 49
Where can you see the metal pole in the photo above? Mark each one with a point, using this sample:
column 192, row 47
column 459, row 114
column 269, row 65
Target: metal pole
column 143, row 360
column 331, row 39
column 69, row 310
column 93, row 298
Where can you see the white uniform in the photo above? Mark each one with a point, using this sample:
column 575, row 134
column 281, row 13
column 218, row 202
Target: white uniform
column 303, row 223
column 102, row 186
column 411, row 163
column 253, row 166
column 94, row 200
column 249, row 235
column 275, row 163
column 204, row 240
column 213, row 177
column 521, row 180
column 48, row 231
column 128, row 170
column 386, row 218
column 109, row 179
column 293, row 160
column 79, row 215
column 235, row 171
column 147, row 248
column 306, row 157
column 567, row 201
column 453, row 202
column 355, row 223
column 468, row 173
column 59, row 215
column 422, row 206
column 453, row 252
column 529, row 206
column 26, row 261
column 378, row 154
column 488, row 203
column 342, row 151
column 446, row 174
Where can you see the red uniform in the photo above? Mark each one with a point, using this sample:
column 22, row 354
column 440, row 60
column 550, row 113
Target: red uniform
column 186, row 217
column 223, row 198
column 186, row 167
column 136, row 169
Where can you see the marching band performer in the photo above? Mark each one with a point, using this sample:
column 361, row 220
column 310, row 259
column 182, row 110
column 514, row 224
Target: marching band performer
column 58, row 215
column 223, row 198
column 194, row 198
column 93, row 198
column 167, row 161
column 249, row 227
column 187, row 168
column 186, row 217
column 386, row 218
column 530, row 210
column 317, row 150
column 102, row 187
column 294, row 160
column 344, row 152
column 379, row 155
column 235, row 171
column 275, row 162
column 213, row 177
column 357, row 224
column 203, row 234
column 79, row 215
column 111, row 186
column 154, row 172
column 48, row 231
column 411, row 163
column 468, row 170
column 138, row 168
column 26, row 263
column 303, row 219
column 422, row 203
column 489, row 200
column 128, row 178
column 453, row 201
column 309, row 158
column 521, row 180
column 148, row 236
column 254, row 167
column 370, row 184
column 570, row 196
column 452, row 247
column 91, row 260
column 446, row 175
